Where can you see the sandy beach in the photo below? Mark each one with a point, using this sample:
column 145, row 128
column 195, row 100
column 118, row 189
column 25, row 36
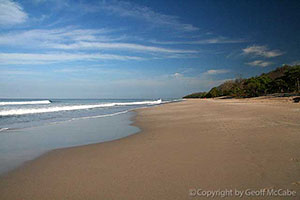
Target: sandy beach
column 207, row 144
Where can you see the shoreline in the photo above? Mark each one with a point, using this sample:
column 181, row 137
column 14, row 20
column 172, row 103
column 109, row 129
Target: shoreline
column 132, row 112
column 21, row 146
column 169, row 155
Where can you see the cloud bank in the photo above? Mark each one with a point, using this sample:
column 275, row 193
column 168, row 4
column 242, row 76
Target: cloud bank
column 259, row 63
column 262, row 51
column 11, row 13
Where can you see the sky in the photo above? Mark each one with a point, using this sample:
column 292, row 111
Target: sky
column 140, row 49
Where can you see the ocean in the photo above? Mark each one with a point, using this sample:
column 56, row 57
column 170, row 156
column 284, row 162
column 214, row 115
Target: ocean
column 31, row 127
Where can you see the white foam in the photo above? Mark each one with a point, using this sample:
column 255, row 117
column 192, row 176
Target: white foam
column 3, row 129
column 74, row 107
column 24, row 102
column 101, row 116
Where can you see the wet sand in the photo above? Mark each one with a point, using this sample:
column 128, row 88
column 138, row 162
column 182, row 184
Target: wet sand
column 208, row 144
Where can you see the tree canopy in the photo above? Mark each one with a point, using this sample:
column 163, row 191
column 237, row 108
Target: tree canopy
column 285, row 79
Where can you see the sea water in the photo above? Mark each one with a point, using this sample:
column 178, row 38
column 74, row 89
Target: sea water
column 31, row 127
column 21, row 113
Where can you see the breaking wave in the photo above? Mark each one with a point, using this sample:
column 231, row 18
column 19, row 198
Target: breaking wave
column 22, row 111
column 24, row 102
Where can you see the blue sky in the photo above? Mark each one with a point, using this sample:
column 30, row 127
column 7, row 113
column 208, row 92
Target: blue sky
column 140, row 49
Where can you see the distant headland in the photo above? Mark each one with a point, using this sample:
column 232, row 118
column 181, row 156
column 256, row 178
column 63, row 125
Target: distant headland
column 284, row 81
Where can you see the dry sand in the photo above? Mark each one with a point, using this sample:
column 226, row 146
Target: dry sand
column 208, row 144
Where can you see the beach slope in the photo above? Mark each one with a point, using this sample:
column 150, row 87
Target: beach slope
column 207, row 144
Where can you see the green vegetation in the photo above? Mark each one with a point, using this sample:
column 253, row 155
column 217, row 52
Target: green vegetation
column 196, row 95
column 284, row 79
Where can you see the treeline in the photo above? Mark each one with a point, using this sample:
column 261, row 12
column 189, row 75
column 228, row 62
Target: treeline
column 285, row 79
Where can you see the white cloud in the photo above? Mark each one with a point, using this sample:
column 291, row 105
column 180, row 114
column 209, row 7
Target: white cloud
column 40, row 37
column 69, row 70
column 30, row 58
column 177, row 75
column 216, row 40
column 261, row 51
column 11, row 13
column 216, row 71
column 127, row 9
column 70, row 38
column 18, row 72
column 259, row 63
column 102, row 45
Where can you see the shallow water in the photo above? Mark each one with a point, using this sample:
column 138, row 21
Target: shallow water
column 18, row 146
